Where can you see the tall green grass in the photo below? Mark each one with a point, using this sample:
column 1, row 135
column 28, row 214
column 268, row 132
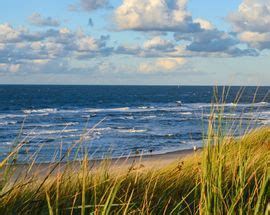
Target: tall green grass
column 228, row 176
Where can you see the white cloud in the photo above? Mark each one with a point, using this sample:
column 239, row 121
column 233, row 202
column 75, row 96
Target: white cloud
column 13, row 68
column 87, row 44
column 7, row 33
column 40, row 61
column 214, row 43
column 157, row 43
column 128, row 49
column 154, row 47
column 38, row 20
column 207, row 43
column 24, row 49
column 200, row 36
column 162, row 65
column 21, row 49
column 252, row 22
column 93, row 4
column 89, row 5
column 2, row 46
column 155, row 15
column 211, row 41
column 204, row 24
column 249, row 36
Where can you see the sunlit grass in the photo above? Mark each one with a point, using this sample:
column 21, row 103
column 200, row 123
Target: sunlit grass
column 231, row 176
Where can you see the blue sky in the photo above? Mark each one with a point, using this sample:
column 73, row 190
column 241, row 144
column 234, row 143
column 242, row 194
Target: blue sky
column 135, row 42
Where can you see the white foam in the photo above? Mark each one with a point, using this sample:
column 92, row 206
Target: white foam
column 138, row 109
column 47, row 132
column 70, row 123
column 265, row 112
column 102, row 129
column 260, row 115
column 94, row 110
column 45, row 110
column 123, row 109
column 7, row 143
column 239, row 115
column 186, row 113
column 132, row 130
column 54, row 125
column 148, row 117
column 68, row 111
column 265, row 122
column 201, row 105
column 207, row 105
column 179, row 103
column 143, row 107
column 11, row 116
column 120, row 109
column 263, row 103
column 7, row 123
column 127, row 117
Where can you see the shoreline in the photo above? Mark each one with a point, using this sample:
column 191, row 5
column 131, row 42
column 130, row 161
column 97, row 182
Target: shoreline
column 147, row 161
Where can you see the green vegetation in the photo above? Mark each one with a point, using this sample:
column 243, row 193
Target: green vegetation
column 229, row 176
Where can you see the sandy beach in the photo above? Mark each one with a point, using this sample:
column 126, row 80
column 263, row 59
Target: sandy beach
column 136, row 162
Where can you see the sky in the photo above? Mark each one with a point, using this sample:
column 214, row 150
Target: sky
column 135, row 42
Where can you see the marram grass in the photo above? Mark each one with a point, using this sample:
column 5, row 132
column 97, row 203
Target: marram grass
column 229, row 176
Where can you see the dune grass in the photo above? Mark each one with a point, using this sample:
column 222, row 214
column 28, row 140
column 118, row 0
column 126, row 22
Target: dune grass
column 229, row 176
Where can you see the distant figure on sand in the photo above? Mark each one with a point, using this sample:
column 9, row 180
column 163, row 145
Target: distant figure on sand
column 195, row 148
column 137, row 152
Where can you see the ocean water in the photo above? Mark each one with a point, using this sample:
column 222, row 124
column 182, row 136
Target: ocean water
column 117, row 120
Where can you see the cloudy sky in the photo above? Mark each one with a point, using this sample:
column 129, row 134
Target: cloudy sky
column 187, row 42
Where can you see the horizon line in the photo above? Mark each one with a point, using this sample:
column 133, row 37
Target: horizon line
column 137, row 85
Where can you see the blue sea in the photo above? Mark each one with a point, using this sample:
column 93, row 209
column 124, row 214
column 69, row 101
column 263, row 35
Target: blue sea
column 117, row 120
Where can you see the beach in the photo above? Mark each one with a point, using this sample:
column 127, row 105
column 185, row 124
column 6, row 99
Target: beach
column 121, row 164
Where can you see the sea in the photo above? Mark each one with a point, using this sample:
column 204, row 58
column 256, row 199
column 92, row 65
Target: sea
column 58, row 123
